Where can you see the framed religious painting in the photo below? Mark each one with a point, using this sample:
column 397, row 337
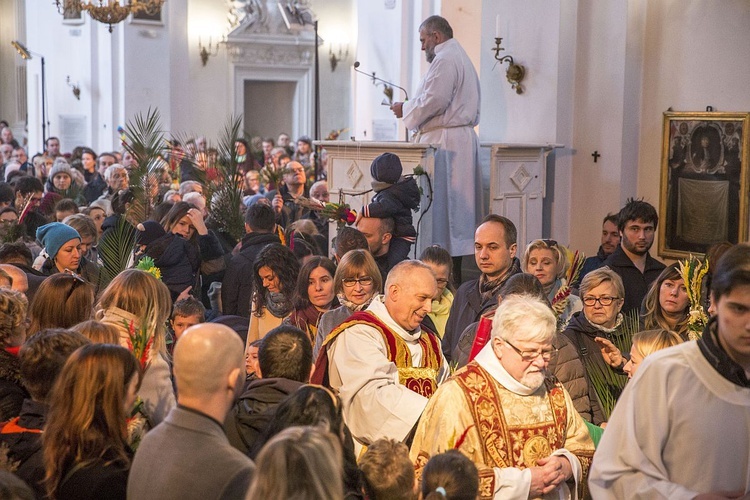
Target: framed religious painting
column 704, row 182
column 72, row 13
column 154, row 18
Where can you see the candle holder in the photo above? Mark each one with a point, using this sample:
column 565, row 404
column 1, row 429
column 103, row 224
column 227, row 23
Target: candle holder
column 515, row 72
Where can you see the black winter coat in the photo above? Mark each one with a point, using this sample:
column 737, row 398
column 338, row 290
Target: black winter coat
column 12, row 393
column 237, row 287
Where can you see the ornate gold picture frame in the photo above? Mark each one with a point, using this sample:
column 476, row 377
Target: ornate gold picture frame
column 704, row 181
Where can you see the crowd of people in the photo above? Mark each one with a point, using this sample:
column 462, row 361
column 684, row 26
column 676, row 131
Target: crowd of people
column 148, row 351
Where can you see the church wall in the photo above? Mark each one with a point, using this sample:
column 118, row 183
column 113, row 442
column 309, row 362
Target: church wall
column 696, row 55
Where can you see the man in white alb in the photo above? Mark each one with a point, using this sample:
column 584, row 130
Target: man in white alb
column 444, row 112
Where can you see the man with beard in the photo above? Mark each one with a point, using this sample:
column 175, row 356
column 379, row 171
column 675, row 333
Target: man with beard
column 519, row 427
column 445, row 111
column 609, row 243
column 637, row 223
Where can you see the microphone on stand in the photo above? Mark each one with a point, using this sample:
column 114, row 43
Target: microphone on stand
column 375, row 78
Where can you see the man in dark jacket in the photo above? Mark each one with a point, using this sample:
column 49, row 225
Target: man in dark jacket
column 42, row 358
column 609, row 243
column 285, row 362
column 237, row 287
column 637, row 222
column 495, row 254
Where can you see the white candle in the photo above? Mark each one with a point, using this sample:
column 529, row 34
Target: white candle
column 497, row 26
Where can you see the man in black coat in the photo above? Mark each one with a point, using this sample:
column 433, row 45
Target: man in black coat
column 237, row 287
column 285, row 362
column 495, row 253
column 637, row 222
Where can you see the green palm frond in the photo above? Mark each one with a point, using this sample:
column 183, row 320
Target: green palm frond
column 607, row 383
column 225, row 189
column 144, row 140
column 115, row 249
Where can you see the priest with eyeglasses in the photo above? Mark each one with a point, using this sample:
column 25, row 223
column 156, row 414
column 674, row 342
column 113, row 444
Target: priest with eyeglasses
column 517, row 425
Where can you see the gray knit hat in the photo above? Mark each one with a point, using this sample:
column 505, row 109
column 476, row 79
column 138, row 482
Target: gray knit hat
column 60, row 167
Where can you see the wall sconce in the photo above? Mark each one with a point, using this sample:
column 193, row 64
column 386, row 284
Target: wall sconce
column 206, row 52
column 342, row 53
column 515, row 72
column 76, row 88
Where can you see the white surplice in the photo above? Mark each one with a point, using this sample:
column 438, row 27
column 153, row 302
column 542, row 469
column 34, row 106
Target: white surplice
column 679, row 429
column 375, row 404
column 444, row 112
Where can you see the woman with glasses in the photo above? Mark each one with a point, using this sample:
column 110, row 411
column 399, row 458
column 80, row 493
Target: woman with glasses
column 275, row 274
column 356, row 282
column 314, row 295
column 602, row 295
column 666, row 305
column 440, row 261
column 548, row 261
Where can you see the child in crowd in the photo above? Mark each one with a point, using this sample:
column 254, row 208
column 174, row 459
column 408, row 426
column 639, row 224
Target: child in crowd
column 395, row 197
column 388, row 471
column 185, row 313
column 450, row 475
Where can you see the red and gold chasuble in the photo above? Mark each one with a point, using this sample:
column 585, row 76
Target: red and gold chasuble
column 421, row 379
column 504, row 444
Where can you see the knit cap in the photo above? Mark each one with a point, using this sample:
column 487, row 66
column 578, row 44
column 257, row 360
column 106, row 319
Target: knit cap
column 54, row 235
column 60, row 167
column 386, row 168
column 148, row 232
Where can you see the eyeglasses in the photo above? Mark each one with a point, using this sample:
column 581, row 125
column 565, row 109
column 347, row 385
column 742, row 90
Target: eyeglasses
column 550, row 243
column 364, row 281
column 604, row 300
column 295, row 170
column 530, row 356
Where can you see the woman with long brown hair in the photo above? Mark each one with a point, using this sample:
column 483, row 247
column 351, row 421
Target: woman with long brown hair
column 85, row 450
column 667, row 305
column 136, row 298
column 61, row 301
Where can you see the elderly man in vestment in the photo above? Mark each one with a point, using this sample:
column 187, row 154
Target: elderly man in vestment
column 383, row 364
column 445, row 111
column 501, row 410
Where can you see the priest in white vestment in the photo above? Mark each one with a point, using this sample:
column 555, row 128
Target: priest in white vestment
column 519, row 427
column 444, row 112
column 383, row 364
column 681, row 429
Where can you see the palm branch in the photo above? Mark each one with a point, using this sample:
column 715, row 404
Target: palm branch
column 608, row 383
column 144, row 140
column 116, row 249
column 225, row 191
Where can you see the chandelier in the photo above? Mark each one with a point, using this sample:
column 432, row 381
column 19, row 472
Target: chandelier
column 109, row 11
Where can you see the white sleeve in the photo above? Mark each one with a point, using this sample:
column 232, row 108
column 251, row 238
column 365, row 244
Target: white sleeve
column 512, row 483
column 375, row 404
column 435, row 97
column 628, row 462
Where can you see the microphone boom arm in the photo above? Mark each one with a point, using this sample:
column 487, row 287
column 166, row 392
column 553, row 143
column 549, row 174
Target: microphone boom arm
column 376, row 79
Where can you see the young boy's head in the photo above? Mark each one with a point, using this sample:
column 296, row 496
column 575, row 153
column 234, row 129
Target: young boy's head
column 389, row 474
column 186, row 313
column 386, row 168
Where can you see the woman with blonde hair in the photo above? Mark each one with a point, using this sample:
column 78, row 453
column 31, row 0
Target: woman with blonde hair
column 646, row 343
column 356, row 281
column 137, row 298
column 302, row 463
column 61, row 301
column 548, row 261
column 98, row 332
column 440, row 261
column 84, row 443
column 666, row 305
column 13, row 307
